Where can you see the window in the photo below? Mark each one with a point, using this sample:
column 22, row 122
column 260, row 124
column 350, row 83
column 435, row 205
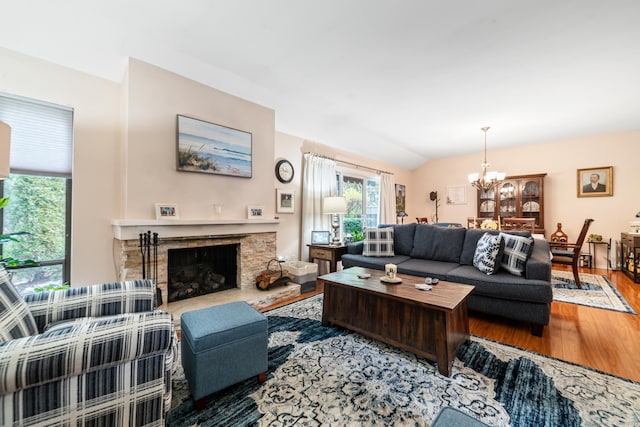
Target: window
column 363, row 195
column 39, row 190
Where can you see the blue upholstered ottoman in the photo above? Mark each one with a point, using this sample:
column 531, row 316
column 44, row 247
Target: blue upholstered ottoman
column 221, row 346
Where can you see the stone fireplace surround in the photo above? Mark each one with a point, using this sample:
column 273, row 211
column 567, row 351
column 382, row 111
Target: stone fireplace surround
column 257, row 245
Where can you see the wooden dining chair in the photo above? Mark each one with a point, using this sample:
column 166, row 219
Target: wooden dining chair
column 519, row 224
column 422, row 220
column 569, row 253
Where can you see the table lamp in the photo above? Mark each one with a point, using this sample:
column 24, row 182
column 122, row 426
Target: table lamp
column 5, row 143
column 334, row 206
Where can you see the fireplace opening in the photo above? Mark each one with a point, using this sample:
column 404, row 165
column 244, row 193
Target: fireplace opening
column 199, row 271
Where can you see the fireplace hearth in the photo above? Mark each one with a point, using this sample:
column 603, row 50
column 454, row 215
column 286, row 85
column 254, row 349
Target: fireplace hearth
column 197, row 271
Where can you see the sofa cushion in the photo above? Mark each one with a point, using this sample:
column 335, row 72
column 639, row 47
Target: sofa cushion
column 426, row 268
column 402, row 237
column 378, row 242
column 16, row 321
column 502, row 285
column 376, row 263
column 438, row 243
column 517, row 250
column 486, row 258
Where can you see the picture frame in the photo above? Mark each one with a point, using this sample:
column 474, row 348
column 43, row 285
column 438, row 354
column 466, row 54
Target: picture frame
column 456, row 195
column 401, row 192
column 285, row 201
column 595, row 182
column 167, row 211
column 255, row 212
column 214, row 149
column 320, row 237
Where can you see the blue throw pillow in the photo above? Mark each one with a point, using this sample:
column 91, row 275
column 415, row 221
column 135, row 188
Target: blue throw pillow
column 378, row 242
column 517, row 250
column 487, row 252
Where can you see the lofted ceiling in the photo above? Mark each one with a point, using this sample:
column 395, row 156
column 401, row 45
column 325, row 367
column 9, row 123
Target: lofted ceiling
column 399, row 81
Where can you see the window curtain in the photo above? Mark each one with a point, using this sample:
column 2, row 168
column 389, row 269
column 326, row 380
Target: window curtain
column 318, row 182
column 387, row 199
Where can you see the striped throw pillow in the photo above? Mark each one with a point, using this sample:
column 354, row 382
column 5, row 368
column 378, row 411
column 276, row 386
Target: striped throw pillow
column 517, row 250
column 378, row 242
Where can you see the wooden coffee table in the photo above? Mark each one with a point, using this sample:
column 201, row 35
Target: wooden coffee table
column 431, row 324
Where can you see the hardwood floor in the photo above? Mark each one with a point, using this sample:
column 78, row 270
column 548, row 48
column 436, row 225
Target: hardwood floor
column 605, row 340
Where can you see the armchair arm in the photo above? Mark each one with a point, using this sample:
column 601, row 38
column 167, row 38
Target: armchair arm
column 105, row 299
column 82, row 346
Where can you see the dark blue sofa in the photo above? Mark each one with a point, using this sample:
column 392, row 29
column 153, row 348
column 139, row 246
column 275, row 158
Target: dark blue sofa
column 447, row 254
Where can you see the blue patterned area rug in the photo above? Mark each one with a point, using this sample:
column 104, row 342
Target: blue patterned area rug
column 597, row 291
column 328, row 376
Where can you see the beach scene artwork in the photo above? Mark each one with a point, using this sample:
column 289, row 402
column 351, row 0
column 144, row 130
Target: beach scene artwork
column 215, row 149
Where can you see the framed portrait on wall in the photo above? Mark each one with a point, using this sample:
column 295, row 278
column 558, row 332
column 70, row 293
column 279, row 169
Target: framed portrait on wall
column 595, row 182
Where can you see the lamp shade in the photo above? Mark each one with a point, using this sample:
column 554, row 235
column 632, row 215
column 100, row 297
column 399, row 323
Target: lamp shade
column 334, row 205
column 5, row 145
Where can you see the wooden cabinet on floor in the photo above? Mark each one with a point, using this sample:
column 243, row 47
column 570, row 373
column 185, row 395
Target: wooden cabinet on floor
column 520, row 196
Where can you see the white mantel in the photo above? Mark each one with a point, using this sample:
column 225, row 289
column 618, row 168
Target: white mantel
column 129, row 229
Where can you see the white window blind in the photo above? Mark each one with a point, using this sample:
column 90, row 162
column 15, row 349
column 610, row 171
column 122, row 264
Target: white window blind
column 41, row 136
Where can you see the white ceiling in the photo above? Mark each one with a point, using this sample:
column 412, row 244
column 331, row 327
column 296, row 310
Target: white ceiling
column 401, row 81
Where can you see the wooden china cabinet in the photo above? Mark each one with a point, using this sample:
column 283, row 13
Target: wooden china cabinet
column 520, row 196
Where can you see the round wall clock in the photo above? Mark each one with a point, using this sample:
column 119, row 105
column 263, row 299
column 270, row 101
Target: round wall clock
column 284, row 171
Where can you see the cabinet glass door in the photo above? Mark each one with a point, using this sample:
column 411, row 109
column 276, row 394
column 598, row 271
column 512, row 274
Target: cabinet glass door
column 487, row 203
column 530, row 200
column 508, row 200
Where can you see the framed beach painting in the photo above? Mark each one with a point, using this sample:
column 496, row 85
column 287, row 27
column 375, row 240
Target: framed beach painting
column 209, row 148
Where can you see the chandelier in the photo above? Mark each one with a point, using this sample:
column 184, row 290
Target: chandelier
column 487, row 179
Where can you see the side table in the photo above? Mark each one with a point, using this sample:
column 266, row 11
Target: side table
column 330, row 253
column 592, row 254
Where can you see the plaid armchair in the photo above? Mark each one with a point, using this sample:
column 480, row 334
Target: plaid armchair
column 96, row 355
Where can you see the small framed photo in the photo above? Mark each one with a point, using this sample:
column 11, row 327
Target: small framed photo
column 284, row 201
column 320, row 237
column 255, row 212
column 456, row 195
column 595, row 182
column 166, row 211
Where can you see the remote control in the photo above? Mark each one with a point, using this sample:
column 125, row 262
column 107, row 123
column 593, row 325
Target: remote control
column 423, row 287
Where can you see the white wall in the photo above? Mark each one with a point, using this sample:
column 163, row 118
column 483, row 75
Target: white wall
column 124, row 161
column 293, row 148
column 155, row 97
column 560, row 160
column 96, row 154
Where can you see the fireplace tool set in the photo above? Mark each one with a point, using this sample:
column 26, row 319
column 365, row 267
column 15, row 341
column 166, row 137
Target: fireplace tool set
column 147, row 241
